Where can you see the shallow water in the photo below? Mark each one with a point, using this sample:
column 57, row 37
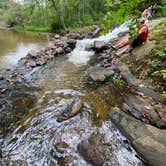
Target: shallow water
column 39, row 139
column 16, row 44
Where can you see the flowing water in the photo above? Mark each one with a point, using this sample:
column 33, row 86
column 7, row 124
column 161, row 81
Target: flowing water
column 39, row 140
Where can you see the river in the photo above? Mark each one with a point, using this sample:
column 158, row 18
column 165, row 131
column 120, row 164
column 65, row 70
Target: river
column 16, row 44
column 39, row 139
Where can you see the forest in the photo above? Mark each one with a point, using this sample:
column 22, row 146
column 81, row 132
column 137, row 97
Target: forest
column 52, row 15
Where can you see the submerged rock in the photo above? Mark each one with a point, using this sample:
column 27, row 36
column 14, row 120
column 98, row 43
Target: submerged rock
column 99, row 73
column 148, row 141
column 94, row 151
column 71, row 111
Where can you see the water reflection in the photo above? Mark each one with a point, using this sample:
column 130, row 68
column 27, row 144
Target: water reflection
column 16, row 44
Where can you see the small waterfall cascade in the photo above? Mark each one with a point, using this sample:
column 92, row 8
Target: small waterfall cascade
column 82, row 52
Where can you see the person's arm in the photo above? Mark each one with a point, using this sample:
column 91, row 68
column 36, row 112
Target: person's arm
column 142, row 30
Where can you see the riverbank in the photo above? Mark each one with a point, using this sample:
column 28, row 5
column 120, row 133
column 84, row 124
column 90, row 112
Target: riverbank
column 140, row 98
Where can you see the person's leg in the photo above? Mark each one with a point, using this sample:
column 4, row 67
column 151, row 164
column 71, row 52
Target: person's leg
column 124, row 49
column 123, row 41
column 137, row 42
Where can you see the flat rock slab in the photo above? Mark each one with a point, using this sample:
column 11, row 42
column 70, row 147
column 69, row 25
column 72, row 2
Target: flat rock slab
column 148, row 141
column 143, row 50
column 134, row 82
column 99, row 73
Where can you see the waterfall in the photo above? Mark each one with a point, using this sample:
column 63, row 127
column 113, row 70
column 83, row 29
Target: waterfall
column 82, row 52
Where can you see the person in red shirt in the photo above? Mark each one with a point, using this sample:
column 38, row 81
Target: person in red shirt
column 143, row 33
column 124, row 45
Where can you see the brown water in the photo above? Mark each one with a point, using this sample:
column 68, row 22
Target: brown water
column 16, row 44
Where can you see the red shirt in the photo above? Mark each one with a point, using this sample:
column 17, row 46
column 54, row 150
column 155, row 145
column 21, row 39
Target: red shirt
column 144, row 36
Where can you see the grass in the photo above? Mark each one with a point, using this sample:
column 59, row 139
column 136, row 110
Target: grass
column 37, row 29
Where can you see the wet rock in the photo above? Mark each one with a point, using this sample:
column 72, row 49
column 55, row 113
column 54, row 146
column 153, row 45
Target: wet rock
column 31, row 63
column 31, row 55
column 161, row 123
column 99, row 73
column 15, row 103
column 71, row 42
column 97, row 30
column 94, row 151
column 143, row 108
column 71, row 111
column 59, row 50
column 68, row 50
column 148, row 141
column 100, row 45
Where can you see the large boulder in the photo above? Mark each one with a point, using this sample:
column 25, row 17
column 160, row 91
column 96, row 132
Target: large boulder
column 142, row 51
column 148, row 141
column 99, row 73
column 100, row 45
column 94, row 151
column 73, row 109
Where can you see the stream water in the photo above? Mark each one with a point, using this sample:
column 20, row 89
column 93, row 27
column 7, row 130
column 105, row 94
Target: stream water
column 16, row 44
column 39, row 140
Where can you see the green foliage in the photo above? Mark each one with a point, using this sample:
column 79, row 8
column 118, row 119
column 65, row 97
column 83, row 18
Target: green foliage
column 121, row 14
column 161, row 9
column 163, row 73
column 52, row 14
column 164, row 94
column 37, row 29
column 117, row 82
column 9, row 20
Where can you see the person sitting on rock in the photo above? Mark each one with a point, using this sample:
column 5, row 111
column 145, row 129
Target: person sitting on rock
column 143, row 33
column 124, row 44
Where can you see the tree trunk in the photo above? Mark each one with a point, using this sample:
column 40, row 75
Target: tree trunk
column 58, row 9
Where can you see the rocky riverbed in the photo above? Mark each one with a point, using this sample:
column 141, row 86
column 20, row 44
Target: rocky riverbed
column 70, row 129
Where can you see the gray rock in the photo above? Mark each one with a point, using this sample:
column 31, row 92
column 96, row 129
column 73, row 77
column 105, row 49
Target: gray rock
column 94, row 151
column 99, row 45
column 99, row 73
column 148, row 141
column 59, row 50
column 140, row 52
column 71, row 111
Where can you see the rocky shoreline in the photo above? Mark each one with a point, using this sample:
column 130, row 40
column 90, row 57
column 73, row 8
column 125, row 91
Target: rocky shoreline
column 140, row 103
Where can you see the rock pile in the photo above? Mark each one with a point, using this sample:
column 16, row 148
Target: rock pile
column 58, row 46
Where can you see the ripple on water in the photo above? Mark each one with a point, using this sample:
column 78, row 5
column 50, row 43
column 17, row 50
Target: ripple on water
column 41, row 140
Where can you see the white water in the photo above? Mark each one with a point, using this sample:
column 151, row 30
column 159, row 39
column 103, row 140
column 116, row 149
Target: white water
column 82, row 53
